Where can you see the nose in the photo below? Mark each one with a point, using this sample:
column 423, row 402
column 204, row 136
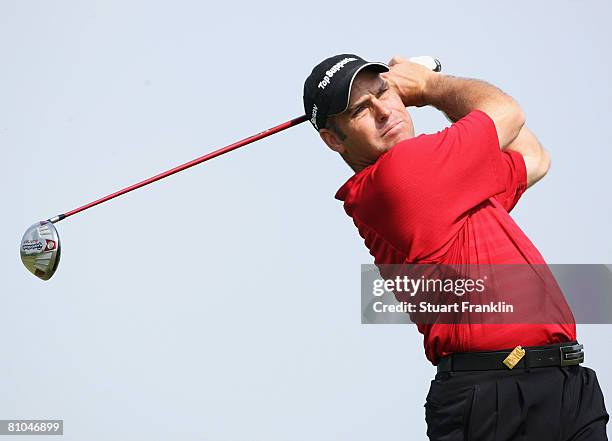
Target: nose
column 381, row 111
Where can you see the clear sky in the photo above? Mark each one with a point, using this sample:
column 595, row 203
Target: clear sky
column 223, row 303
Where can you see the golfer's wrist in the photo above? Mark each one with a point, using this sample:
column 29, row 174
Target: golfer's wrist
column 431, row 89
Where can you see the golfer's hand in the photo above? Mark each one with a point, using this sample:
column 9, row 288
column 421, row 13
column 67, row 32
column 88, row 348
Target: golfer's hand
column 409, row 80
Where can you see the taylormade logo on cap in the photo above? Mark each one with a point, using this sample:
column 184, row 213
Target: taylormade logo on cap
column 335, row 68
column 313, row 120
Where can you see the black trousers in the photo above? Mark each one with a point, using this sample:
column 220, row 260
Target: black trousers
column 542, row 404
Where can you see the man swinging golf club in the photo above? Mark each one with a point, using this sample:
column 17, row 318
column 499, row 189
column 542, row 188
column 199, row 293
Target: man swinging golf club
column 445, row 198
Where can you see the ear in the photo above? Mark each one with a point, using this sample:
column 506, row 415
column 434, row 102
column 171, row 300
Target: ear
column 332, row 140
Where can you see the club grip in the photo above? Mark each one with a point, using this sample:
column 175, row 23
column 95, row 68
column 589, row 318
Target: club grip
column 429, row 62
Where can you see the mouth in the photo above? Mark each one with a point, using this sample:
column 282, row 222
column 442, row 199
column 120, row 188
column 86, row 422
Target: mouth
column 393, row 127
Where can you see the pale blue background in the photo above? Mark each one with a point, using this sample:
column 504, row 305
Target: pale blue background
column 223, row 303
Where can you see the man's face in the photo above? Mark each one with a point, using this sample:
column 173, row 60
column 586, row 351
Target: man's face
column 375, row 120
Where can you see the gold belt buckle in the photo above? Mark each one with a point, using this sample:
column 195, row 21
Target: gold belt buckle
column 514, row 357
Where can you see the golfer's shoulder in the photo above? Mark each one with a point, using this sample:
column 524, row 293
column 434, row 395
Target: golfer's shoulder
column 476, row 124
column 430, row 151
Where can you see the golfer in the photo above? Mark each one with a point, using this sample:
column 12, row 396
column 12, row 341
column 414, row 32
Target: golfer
column 445, row 198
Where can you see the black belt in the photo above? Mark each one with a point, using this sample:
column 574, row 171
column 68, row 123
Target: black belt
column 559, row 354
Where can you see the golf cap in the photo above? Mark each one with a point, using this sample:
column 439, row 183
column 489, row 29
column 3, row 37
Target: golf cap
column 327, row 89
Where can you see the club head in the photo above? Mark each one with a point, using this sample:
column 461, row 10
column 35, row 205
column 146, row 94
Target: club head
column 40, row 249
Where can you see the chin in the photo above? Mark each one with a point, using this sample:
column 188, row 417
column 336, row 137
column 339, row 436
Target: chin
column 397, row 138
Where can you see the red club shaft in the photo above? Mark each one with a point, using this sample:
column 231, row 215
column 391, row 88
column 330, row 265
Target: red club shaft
column 186, row 165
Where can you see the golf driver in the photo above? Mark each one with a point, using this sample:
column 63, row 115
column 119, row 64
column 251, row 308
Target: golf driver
column 40, row 246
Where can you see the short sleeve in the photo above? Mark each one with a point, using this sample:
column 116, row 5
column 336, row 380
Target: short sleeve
column 514, row 176
column 425, row 186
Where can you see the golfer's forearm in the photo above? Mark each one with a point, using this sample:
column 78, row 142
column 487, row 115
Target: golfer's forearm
column 457, row 97
column 525, row 143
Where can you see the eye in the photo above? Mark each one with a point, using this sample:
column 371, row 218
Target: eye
column 357, row 111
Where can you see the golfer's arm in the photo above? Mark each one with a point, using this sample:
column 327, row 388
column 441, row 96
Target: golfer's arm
column 457, row 97
column 537, row 161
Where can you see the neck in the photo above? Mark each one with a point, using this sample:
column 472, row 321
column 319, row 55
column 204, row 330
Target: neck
column 356, row 164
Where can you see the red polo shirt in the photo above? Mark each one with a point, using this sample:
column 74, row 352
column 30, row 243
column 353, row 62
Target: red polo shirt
column 444, row 198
